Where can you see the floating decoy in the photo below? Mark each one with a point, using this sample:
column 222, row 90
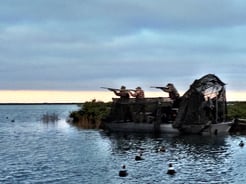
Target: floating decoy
column 241, row 144
column 123, row 171
column 161, row 149
column 139, row 156
column 170, row 170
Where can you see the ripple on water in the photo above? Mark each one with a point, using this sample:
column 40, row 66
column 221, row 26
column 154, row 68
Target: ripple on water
column 34, row 152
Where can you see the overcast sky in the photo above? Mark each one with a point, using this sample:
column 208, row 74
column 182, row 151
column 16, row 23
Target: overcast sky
column 86, row 44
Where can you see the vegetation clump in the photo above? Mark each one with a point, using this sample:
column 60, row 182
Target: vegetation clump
column 50, row 117
column 236, row 110
column 90, row 114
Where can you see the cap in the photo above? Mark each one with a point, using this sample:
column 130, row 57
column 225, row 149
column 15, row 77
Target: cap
column 123, row 87
column 138, row 87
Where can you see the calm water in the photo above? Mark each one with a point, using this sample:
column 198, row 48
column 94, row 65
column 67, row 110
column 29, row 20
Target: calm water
column 32, row 151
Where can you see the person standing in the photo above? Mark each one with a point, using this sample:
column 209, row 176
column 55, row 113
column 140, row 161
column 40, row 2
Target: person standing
column 123, row 104
column 173, row 94
column 138, row 94
column 122, row 93
column 172, row 91
column 140, row 103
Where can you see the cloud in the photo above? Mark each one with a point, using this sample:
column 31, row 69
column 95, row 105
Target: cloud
column 82, row 45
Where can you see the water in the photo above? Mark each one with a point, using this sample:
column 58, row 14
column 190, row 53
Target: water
column 32, row 151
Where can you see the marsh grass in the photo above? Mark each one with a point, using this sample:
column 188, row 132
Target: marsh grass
column 49, row 117
column 90, row 115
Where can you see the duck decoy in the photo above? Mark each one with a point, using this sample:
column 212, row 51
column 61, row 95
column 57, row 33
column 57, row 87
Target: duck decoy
column 170, row 170
column 123, row 171
column 241, row 144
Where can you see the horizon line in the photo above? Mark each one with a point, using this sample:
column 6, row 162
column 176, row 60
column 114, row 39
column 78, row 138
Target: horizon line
column 77, row 97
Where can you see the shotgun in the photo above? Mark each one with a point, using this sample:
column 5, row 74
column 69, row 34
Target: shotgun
column 159, row 87
column 111, row 89
column 114, row 89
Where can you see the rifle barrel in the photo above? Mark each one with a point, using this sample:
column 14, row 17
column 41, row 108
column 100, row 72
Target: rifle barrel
column 131, row 90
column 110, row 89
column 159, row 87
column 105, row 88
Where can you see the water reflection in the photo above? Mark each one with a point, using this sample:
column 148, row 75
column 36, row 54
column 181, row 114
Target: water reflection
column 195, row 144
column 198, row 159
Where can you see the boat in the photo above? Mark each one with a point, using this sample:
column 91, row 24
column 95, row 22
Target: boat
column 201, row 110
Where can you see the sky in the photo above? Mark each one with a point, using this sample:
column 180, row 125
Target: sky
column 75, row 47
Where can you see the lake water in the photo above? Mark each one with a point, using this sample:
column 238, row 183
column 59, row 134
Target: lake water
column 32, row 151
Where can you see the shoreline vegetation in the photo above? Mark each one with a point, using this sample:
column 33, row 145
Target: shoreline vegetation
column 91, row 114
column 44, row 103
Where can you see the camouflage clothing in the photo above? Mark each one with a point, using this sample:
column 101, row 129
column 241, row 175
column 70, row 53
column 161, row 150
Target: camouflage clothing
column 173, row 93
column 140, row 102
column 139, row 93
column 123, row 93
column 122, row 105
